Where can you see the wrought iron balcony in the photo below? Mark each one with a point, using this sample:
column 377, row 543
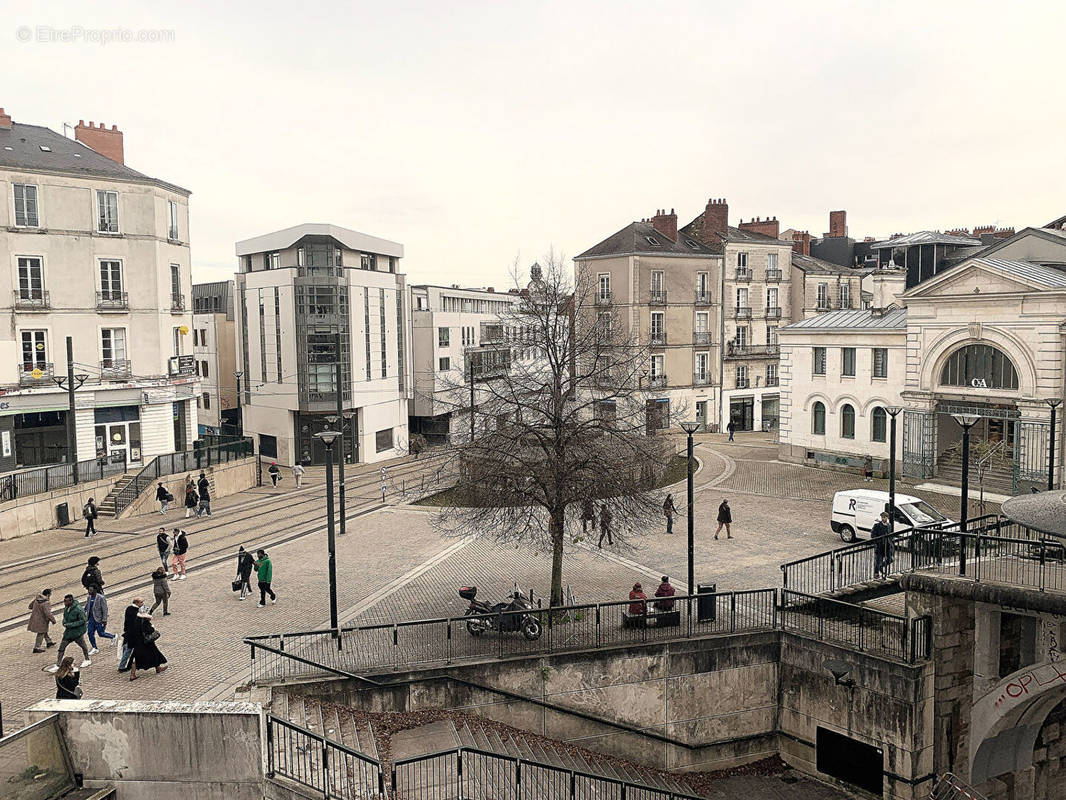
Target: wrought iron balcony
column 112, row 301
column 658, row 338
column 703, row 298
column 743, row 275
column 657, row 381
column 701, row 337
column 743, row 383
column 701, row 379
column 177, row 303
column 603, row 297
column 774, row 381
column 773, row 312
column 32, row 300
column 752, row 350
column 657, row 297
column 823, row 305
column 115, row 369
column 36, row 374
column 773, row 275
column 742, row 312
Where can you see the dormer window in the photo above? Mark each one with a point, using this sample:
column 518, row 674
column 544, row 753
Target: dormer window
column 652, row 241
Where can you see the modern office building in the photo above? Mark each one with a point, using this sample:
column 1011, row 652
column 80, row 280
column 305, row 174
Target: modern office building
column 214, row 339
column 297, row 290
column 98, row 252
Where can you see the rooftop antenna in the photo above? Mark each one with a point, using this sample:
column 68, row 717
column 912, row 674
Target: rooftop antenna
column 65, row 126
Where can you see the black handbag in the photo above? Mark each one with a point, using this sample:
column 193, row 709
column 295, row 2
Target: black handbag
column 151, row 637
column 236, row 585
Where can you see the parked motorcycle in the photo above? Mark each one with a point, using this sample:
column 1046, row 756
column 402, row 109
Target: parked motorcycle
column 497, row 617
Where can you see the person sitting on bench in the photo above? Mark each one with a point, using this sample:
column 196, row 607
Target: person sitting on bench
column 666, row 593
column 637, row 607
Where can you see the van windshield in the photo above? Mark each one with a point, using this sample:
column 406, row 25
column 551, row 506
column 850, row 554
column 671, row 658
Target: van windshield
column 921, row 512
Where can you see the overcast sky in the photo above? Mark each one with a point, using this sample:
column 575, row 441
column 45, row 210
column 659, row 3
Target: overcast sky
column 478, row 132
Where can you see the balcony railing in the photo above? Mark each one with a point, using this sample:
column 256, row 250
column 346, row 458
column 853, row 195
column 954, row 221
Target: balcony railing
column 752, row 350
column 743, row 383
column 823, row 305
column 31, row 300
column 658, row 337
column 773, row 312
column 773, row 275
column 742, row 312
column 37, row 374
column 701, row 337
column 703, row 298
column 657, row 381
column 177, row 303
column 603, row 297
column 743, row 275
column 844, row 304
column 772, row 381
column 701, row 379
column 112, row 301
column 657, row 297
column 115, row 369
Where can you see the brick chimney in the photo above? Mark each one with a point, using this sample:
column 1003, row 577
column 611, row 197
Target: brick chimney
column 106, row 142
column 958, row 232
column 767, row 227
column 801, row 243
column 838, row 224
column 666, row 224
column 715, row 219
column 981, row 230
column 5, row 121
column 1003, row 233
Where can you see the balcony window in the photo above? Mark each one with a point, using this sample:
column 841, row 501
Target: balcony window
column 112, row 345
column 742, row 261
column 34, row 349
column 110, row 280
column 107, row 212
column 26, row 215
column 742, row 377
column 31, row 280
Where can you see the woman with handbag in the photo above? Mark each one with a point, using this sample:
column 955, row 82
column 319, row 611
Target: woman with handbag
column 67, row 678
column 146, row 654
column 243, row 583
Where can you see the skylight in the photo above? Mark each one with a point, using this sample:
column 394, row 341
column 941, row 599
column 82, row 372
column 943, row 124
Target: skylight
column 692, row 244
column 652, row 241
column 45, row 148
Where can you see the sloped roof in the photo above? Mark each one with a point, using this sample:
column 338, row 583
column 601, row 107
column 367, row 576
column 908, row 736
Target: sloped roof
column 853, row 319
column 642, row 238
column 695, row 230
column 926, row 237
column 816, row 266
column 287, row 237
column 1050, row 234
column 1037, row 273
column 20, row 149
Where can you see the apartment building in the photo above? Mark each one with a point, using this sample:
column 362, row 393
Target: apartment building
column 454, row 331
column 297, row 290
column 96, row 251
column 214, row 339
column 665, row 288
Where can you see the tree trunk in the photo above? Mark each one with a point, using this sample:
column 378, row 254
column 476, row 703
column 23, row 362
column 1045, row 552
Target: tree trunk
column 557, row 524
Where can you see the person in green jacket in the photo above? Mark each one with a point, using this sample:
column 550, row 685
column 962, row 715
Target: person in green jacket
column 75, row 624
column 264, row 573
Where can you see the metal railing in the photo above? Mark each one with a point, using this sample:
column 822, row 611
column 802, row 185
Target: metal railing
column 701, row 379
column 741, row 350
column 603, row 297
column 658, row 337
column 865, row 629
column 36, row 374
column 993, row 550
column 773, row 312
column 112, row 301
column 743, row 275
column 186, row 461
column 701, row 337
column 326, row 766
column 742, row 383
column 115, row 368
column 370, row 648
column 657, row 297
column 742, row 312
column 773, row 275
column 31, row 300
column 950, row 787
column 703, row 298
column 658, row 381
column 177, row 303
column 59, row 476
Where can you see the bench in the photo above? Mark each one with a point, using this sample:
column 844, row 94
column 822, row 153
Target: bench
column 652, row 619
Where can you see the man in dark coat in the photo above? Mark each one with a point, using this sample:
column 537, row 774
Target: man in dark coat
column 91, row 576
column 130, row 630
column 881, row 533
column 245, row 564
column 725, row 519
column 163, row 496
column 203, row 485
column 90, row 513
column 666, row 592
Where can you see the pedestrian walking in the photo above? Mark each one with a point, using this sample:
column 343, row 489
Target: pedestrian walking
column 75, row 623
column 665, row 593
column 181, row 547
column 89, row 513
column 881, row 533
column 91, row 576
column 67, row 680
column 265, row 575
column 96, row 611
column 130, row 626
column 161, row 591
column 245, row 564
column 163, row 545
column 164, row 497
column 605, row 525
column 203, row 485
column 275, row 473
column 732, row 428
column 867, row 469
column 668, row 511
column 146, row 653
column 41, row 617
column 192, row 499
column 725, row 518
column 588, row 515
column 298, row 474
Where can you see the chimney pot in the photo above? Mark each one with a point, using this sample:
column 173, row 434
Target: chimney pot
column 666, row 224
column 107, row 143
column 5, row 120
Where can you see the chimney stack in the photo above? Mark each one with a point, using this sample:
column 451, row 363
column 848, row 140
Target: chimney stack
column 666, row 224
column 107, row 143
column 715, row 219
column 801, row 243
column 838, row 224
column 767, row 227
column 5, row 121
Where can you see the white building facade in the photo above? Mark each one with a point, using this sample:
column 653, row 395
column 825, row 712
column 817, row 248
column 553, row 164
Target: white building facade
column 93, row 250
column 298, row 290
column 215, row 347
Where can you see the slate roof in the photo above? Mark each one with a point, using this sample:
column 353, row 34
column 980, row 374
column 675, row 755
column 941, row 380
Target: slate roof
column 816, row 266
column 695, row 230
column 638, row 238
column 926, row 237
column 853, row 319
column 20, row 149
column 1036, row 273
column 1057, row 223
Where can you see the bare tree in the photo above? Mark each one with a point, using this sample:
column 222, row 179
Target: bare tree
column 559, row 399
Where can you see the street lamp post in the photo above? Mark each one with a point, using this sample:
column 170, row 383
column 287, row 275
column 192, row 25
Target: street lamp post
column 72, row 382
column 1054, row 402
column 966, row 421
column 328, row 438
column 893, row 412
column 690, row 428
column 240, row 415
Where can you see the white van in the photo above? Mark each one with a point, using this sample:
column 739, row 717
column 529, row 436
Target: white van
column 856, row 510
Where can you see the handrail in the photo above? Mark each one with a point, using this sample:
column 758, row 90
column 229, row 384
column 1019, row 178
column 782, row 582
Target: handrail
column 319, row 773
column 58, row 476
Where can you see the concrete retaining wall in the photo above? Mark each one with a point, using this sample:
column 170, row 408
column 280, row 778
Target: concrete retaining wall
column 157, row 750
column 236, row 476
column 37, row 512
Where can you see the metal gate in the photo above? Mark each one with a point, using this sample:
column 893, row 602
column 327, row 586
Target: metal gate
column 919, row 443
column 1032, row 440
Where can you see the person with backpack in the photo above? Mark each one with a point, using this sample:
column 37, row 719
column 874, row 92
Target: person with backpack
column 41, row 617
column 75, row 623
column 91, row 576
column 669, row 509
column 204, row 487
column 264, row 574
column 181, row 547
column 275, row 473
column 96, row 611
column 725, row 518
column 89, row 513
column 164, row 497
column 245, row 563
column 191, row 499
column 162, row 544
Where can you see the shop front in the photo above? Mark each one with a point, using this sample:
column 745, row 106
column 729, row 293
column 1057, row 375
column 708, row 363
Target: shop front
column 118, row 433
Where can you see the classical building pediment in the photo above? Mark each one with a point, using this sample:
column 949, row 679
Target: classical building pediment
column 978, row 277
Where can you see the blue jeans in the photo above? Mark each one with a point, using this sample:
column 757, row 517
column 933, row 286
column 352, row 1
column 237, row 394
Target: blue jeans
column 670, row 524
column 96, row 628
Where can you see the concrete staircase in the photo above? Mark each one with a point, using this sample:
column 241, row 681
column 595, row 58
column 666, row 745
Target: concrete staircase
column 998, row 477
column 106, row 507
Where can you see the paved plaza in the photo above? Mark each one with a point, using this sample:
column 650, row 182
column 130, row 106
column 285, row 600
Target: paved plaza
column 392, row 564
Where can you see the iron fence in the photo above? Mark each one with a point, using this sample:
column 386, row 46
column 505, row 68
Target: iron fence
column 326, row 766
column 59, row 476
column 950, row 787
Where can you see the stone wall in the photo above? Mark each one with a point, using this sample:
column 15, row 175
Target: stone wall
column 37, row 512
column 236, row 476
column 158, row 750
